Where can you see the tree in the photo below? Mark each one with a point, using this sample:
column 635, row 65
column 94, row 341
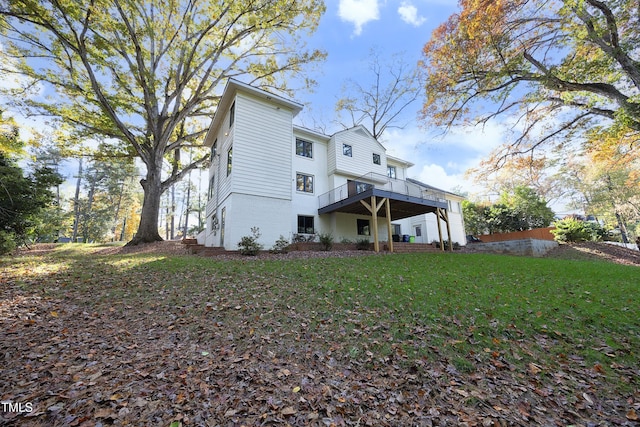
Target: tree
column 559, row 65
column 22, row 199
column 605, row 182
column 394, row 87
column 10, row 142
column 529, row 210
column 517, row 210
column 107, row 186
column 147, row 73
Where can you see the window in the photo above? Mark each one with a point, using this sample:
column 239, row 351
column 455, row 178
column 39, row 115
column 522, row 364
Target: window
column 396, row 229
column 363, row 227
column 346, row 150
column 418, row 231
column 391, row 172
column 214, row 149
column 232, row 114
column 229, row 157
column 304, row 148
column 454, row 206
column 304, row 183
column 305, row 224
column 376, row 159
column 212, row 182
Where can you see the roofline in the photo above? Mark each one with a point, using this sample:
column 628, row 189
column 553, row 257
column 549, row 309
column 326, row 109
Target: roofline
column 232, row 87
column 302, row 129
column 399, row 160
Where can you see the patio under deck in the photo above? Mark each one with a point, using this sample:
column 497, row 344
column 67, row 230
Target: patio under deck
column 402, row 199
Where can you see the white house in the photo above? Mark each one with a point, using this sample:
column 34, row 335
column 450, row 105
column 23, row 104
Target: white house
column 294, row 182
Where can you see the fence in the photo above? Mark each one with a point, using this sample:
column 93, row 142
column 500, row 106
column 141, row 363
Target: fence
column 537, row 233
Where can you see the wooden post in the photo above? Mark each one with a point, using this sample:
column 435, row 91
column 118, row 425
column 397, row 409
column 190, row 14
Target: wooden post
column 373, row 208
column 374, row 220
column 446, row 219
column 439, row 229
column 388, row 213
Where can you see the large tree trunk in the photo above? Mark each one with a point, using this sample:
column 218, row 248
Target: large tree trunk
column 148, row 228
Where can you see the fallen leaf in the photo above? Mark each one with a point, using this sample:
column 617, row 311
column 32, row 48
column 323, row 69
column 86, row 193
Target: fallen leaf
column 104, row 413
column 289, row 410
column 296, row 389
column 534, row 369
column 631, row 415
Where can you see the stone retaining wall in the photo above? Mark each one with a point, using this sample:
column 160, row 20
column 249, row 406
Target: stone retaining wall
column 530, row 247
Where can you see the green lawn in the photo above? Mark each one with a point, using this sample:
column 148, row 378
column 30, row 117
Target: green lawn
column 563, row 325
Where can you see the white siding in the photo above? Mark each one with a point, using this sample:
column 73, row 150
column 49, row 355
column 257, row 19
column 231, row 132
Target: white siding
column 262, row 148
column 307, row 203
column 361, row 161
column 270, row 215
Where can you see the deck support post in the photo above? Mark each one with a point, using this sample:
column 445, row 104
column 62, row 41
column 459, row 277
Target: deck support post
column 388, row 213
column 439, row 229
column 443, row 214
column 373, row 208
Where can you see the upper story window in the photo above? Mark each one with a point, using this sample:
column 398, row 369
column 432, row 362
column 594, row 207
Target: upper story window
column 214, row 149
column 229, row 157
column 376, row 159
column 304, row 148
column 232, row 114
column 304, row 183
column 391, row 172
column 212, row 182
column 347, row 150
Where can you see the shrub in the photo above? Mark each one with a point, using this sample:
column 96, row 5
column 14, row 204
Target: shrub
column 7, row 242
column 326, row 240
column 281, row 246
column 346, row 241
column 436, row 243
column 363, row 244
column 574, row 230
column 249, row 245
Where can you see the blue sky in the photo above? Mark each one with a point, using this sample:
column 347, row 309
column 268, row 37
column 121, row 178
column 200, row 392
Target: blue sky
column 348, row 31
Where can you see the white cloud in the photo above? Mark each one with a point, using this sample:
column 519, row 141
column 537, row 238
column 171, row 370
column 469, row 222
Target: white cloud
column 409, row 14
column 358, row 12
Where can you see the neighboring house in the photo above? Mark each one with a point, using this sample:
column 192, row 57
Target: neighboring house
column 294, row 182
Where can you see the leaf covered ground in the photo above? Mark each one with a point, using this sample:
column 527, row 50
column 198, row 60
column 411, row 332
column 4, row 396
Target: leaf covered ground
column 90, row 338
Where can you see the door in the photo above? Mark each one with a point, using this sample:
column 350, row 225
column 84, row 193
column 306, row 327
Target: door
column 417, row 231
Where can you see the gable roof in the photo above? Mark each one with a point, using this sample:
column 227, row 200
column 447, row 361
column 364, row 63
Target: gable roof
column 228, row 95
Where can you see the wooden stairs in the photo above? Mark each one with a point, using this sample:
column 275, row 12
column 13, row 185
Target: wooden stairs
column 197, row 249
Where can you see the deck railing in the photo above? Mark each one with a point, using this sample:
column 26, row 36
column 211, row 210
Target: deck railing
column 380, row 182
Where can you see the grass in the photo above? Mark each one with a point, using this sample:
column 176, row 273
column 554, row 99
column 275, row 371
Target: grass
column 470, row 310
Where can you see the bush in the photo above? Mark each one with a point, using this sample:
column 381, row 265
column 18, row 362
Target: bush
column 7, row 242
column 281, row 246
column 574, row 230
column 436, row 243
column 363, row 244
column 326, row 240
column 249, row 245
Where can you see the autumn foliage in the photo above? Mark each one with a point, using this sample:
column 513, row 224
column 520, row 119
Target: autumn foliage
column 555, row 68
